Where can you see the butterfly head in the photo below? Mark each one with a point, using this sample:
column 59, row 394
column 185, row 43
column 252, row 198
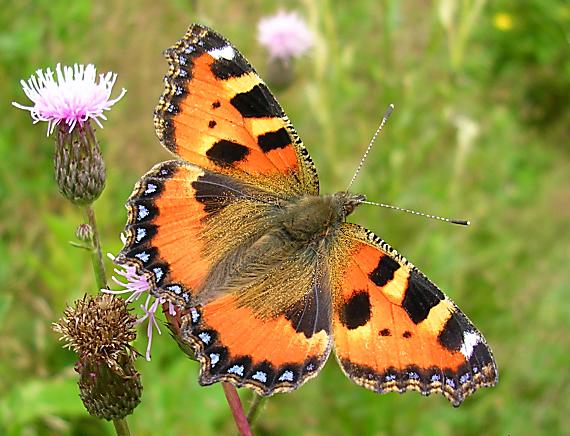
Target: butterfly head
column 345, row 202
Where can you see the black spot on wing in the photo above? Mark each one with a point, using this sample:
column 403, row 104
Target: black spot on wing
column 256, row 103
column 451, row 337
column 167, row 169
column 239, row 367
column 216, row 191
column 218, row 358
column 225, row 153
column 263, row 373
column 274, row 140
column 143, row 210
column 227, row 68
column 384, row 271
column 356, row 311
column 421, row 295
column 385, row 332
column 145, row 255
column 311, row 314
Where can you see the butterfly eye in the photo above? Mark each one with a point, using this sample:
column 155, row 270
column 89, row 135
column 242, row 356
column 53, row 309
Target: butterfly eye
column 348, row 208
column 351, row 203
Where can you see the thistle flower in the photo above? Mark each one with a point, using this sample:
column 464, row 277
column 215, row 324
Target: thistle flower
column 137, row 285
column 285, row 35
column 74, row 99
column 69, row 104
column 100, row 329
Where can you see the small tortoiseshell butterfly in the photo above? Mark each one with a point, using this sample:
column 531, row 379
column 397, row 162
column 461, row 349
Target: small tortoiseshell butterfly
column 266, row 271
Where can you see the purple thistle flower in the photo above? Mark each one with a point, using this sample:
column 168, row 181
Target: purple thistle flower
column 137, row 285
column 285, row 35
column 73, row 99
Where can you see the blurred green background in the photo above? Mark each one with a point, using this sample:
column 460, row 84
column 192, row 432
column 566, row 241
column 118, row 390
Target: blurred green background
column 480, row 131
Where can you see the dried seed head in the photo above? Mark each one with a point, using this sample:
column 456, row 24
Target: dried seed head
column 99, row 329
column 98, row 326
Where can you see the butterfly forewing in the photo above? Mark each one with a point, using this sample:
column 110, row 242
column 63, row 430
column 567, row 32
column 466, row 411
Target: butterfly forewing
column 174, row 231
column 394, row 330
column 217, row 113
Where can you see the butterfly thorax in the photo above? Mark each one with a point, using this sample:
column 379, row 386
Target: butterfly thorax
column 312, row 217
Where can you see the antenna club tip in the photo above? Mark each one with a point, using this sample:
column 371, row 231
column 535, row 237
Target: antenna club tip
column 461, row 222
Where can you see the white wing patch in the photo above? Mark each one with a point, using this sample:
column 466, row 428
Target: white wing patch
column 225, row 52
column 470, row 341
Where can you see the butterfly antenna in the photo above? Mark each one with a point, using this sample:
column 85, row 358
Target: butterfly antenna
column 415, row 212
column 365, row 155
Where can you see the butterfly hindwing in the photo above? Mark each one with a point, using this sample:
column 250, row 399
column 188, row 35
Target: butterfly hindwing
column 394, row 330
column 268, row 351
column 216, row 112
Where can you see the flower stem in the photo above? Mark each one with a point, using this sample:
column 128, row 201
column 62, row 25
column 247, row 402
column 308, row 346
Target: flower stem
column 121, row 427
column 255, row 408
column 237, row 409
column 175, row 323
column 96, row 254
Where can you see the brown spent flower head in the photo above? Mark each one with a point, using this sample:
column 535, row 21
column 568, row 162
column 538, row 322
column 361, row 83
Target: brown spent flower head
column 99, row 326
column 99, row 329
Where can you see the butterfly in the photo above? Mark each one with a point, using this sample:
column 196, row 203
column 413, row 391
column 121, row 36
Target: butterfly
column 267, row 272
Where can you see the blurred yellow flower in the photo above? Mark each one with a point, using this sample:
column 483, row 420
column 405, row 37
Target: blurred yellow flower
column 503, row 21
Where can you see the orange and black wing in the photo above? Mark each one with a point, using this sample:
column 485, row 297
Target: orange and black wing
column 271, row 352
column 217, row 113
column 394, row 330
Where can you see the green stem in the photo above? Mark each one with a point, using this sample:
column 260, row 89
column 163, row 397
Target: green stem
column 96, row 255
column 255, row 408
column 121, row 427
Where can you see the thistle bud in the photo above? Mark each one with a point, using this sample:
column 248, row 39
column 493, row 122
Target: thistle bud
column 99, row 329
column 84, row 232
column 79, row 166
column 106, row 393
